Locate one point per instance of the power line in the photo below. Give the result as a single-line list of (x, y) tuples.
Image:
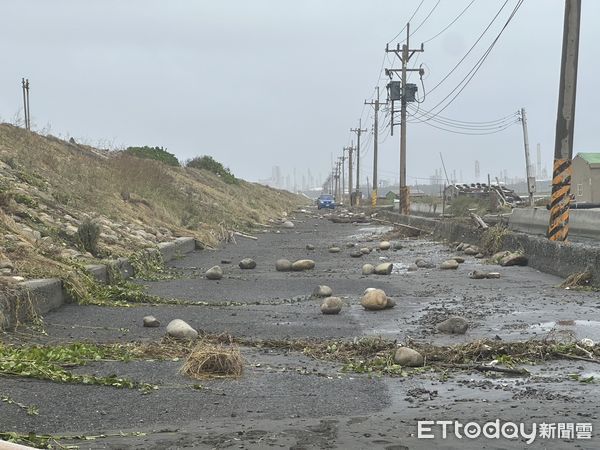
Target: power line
[(489, 125), (473, 133), (471, 49), (467, 79), (425, 19), (451, 23), (408, 21)]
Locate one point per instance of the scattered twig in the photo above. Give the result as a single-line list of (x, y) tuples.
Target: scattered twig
[(244, 235), (578, 358), (481, 368)]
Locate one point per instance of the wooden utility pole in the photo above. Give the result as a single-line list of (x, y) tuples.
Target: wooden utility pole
[(343, 174), (529, 167), (558, 229), (375, 146), (404, 55), (26, 116), (358, 132), (350, 150)]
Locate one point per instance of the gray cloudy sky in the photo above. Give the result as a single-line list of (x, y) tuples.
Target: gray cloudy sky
[(276, 82)]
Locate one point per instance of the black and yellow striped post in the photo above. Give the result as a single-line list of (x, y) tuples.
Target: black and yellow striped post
[(558, 229), (560, 201)]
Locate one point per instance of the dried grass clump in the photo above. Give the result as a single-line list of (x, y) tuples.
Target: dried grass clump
[(213, 360), (577, 280)]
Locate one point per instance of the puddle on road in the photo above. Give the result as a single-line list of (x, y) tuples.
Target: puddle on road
[(365, 232), (400, 268), (580, 328)]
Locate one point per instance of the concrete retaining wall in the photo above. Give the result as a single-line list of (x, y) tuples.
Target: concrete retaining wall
[(557, 258), (582, 222), (49, 294)]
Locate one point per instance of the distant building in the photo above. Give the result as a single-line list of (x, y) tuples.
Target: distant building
[(585, 185)]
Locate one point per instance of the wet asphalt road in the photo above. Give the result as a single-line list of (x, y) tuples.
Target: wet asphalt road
[(287, 400)]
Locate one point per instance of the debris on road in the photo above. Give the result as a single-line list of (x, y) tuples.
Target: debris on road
[(480, 275), (283, 265), (180, 329), (449, 264), (368, 269), (384, 268), (322, 291), (514, 259), (453, 325), (408, 357), (214, 273), (374, 299), (384, 245), (424, 263), (207, 359), (303, 264), (247, 263), (331, 305), (151, 322)]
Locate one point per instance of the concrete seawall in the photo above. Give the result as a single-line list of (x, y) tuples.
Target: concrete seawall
[(44, 295), (582, 222), (557, 258)]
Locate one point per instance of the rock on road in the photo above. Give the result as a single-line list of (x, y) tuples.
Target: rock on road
[(286, 399)]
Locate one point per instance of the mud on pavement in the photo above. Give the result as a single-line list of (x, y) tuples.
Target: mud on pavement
[(292, 397)]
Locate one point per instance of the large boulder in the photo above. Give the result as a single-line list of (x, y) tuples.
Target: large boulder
[(214, 273), (322, 291), (180, 329), (384, 268), (365, 250), (368, 269), (310, 247), (283, 265), (303, 264), (514, 259), (384, 245), (247, 263), (334, 249), (331, 305), (449, 265), (453, 325), (287, 224), (374, 299), (408, 357), (424, 264), (356, 254), (458, 259)]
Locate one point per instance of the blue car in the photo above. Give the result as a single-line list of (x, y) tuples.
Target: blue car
[(326, 201)]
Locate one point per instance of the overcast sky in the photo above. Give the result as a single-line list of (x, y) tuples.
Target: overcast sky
[(276, 82)]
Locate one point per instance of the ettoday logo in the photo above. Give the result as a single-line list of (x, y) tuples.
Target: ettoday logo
[(432, 429)]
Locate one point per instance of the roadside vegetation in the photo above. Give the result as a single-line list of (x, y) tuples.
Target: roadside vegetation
[(64, 205)]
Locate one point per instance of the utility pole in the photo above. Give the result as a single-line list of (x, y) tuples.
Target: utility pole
[(404, 55), (335, 182), (343, 174), (358, 132), (375, 147), (529, 167), (558, 229), (27, 117), (350, 150)]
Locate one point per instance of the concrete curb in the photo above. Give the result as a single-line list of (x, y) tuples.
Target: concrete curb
[(556, 258), (49, 294)]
